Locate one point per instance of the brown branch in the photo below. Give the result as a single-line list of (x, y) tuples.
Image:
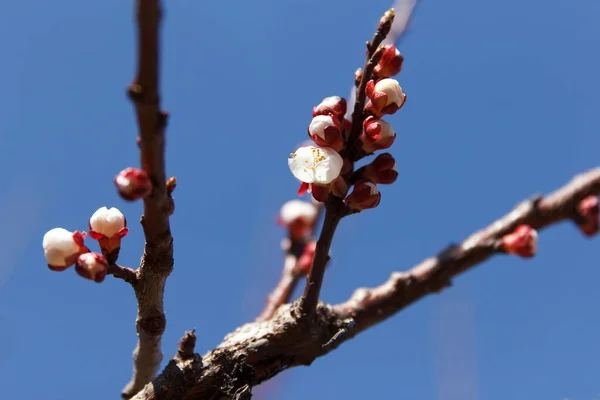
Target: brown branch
[(157, 261), (127, 274), (258, 351), (284, 289)]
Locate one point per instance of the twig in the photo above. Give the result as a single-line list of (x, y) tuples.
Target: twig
[(125, 273), (157, 261), (258, 351), (284, 289)]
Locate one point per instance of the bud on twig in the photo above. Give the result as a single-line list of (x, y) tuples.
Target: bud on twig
[(334, 106), (386, 96), (92, 266), (522, 241), (133, 184), (589, 215), (377, 134), (382, 169), (62, 247), (298, 217), (326, 131), (390, 63), (365, 195), (108, 227)]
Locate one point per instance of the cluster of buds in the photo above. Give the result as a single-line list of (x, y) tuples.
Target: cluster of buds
[(522, 241), (64, 249)]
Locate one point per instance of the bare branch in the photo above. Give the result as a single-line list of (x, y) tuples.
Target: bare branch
[(125, 273), (157, 261), (284, 289), (258, 351)]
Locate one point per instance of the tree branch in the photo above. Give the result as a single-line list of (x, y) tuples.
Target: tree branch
[(127, 274), (257, 351), (157, 261)]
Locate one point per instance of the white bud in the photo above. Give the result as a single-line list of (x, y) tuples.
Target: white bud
[(108, 222), (61, 248), (392, 89), (298, 209)]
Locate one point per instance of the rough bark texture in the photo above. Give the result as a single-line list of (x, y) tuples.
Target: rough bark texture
[(157, 261), (258, 351)]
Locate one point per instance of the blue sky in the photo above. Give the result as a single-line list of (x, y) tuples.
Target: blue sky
[(502, 104)]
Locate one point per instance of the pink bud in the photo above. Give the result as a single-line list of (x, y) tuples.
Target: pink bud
[(522, 241), (339, 187), (326, 131), (304, 263), (62, 247), (334, 106), (108, 227), (382, 169), (365, 195), (377, 134), (390, 63), (386, 96), (589, 212), (92, 266), (133, 184)]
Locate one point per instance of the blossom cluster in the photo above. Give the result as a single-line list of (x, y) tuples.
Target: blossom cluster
[(327, 167), (64, 248)]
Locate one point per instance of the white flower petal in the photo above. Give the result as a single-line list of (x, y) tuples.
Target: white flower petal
[(295, 209)]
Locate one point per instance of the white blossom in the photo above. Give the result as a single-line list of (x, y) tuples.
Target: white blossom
[(298, 209), (319, 165)]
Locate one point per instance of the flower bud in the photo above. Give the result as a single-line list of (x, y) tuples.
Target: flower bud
[(358, 75), (386, 96), (377, 134), (339, 187), (298, 217), (108, 227), (334, 106), (522, 241), (365, 195), (62, 247), (133, 184), (317, 166), (589, 214), (390, 63), (382, 170), (326, 131), (92, 266)]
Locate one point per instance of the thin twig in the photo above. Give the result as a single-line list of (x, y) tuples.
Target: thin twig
[(284, 289), (157, 261), (266, 348), (127, 274)]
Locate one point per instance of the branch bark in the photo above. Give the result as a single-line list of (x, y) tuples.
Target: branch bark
[(257, 351), (157, 260)]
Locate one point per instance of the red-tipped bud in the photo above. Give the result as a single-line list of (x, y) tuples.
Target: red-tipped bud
[(304, 263), (62, 247), (390, 63), (589, 212), (377, 134), (334, 106), (133, 184), (92, 266), (522, 241), (108, 227), (365, 195), (386, 96), (326, 131), (319, 192), (382, 169)]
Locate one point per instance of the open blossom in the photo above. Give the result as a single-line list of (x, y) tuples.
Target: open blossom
[(133, 184), (382, 169), (326, 130), (522, 241), (390, 62), (108, 227), (62, 247), (315, 166), (377, 134), (365, 195), (92, 266), (334, 105), (386, 96)]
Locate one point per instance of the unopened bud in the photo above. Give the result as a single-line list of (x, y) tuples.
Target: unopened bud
[(92, 266), (390, 63), (377, 134), (334, 106), (382, 169), (108, 227), (522, 241), (133, 184), (62, 247), (589, 215), (326, 131), (365, 195), (386, 96)]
